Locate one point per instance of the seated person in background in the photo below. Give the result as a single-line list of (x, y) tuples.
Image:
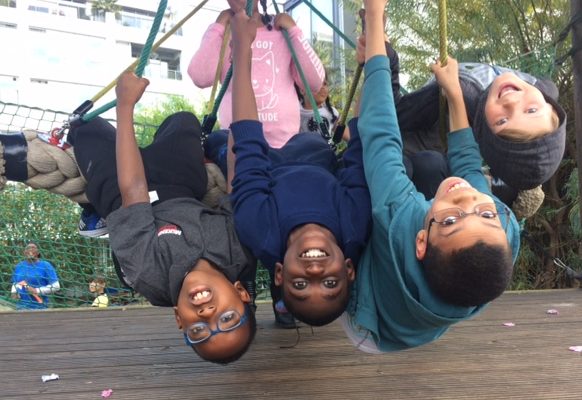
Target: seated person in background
[(33, 279), (428, 263), (97, 286), (307, 225), (172, 249)]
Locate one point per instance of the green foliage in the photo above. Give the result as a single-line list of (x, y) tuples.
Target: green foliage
[(105, 6), (573, 194), (51, 221), (147, 119), (517, 33)]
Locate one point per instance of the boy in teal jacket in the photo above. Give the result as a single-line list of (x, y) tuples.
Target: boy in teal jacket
[(428, 264)]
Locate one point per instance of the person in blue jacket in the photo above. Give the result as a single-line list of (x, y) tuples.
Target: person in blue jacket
[(305, 223), (33, 279), (429, 263)]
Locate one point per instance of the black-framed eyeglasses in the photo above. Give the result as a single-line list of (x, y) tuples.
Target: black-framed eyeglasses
[(450, 216), (228, 321)]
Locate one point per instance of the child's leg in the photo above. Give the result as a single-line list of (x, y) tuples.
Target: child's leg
[(429, 170), (94, 146), (174, 161)]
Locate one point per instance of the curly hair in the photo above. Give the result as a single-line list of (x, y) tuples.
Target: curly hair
[(471, 276)]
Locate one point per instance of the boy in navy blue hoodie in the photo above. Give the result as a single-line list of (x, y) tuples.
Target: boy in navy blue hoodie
[(307, 225)]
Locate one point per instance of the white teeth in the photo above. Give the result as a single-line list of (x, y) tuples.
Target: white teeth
[(459, 186), (313, 253)]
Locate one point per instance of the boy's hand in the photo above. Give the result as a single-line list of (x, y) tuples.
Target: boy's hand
[(284, 21), (224, 17), (375, 6), (448, 77), (130, 88), (244, 30)]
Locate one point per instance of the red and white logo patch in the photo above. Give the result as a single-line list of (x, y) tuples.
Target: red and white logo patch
[(169, 230)]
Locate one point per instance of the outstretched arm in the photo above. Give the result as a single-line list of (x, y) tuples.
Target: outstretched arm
[(464, 157), (448, 79), (202, 67), (130, 170), (244, 104)]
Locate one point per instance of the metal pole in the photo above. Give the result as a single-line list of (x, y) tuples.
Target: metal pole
[(576, 9)]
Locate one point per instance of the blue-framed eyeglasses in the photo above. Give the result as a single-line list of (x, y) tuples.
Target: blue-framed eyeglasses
[(451, 216), (228, 321)]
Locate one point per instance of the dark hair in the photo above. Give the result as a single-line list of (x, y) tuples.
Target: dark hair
[(471, 276), (252, 323), (317, 320), (266, 18), (35, 245), (334, 116)]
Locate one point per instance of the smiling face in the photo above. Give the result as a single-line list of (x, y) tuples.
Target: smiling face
[(206, 294), (315, 274), (517, 110), (455, 192)]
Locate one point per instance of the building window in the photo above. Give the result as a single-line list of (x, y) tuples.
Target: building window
[(164, 63)]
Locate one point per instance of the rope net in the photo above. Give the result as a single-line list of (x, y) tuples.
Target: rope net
[(52, 221)]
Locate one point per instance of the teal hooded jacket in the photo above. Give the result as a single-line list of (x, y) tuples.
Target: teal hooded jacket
[(392, 303)]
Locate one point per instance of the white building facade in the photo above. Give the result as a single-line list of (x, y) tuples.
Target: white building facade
[(58, 53)]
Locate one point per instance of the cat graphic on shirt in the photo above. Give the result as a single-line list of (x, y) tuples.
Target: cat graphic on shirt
[(264, 68)]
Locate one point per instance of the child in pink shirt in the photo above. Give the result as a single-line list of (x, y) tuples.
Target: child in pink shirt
[(274, 72)]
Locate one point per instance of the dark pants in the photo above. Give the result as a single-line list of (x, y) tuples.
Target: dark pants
[(304, 147), (173, 162), (426, 169)]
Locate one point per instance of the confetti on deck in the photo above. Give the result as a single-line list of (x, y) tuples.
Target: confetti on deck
[(51, 377), (106, 393), (509, 324), (552, 311), (577, 349)]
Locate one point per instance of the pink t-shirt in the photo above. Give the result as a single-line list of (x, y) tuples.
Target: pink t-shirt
[(273, 74)]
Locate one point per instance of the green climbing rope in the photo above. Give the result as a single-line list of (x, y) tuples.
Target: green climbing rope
[(443, 57), (210, 119), (328, 22), (324, 131), (143, 60)]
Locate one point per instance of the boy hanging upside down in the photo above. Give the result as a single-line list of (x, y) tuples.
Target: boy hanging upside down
[(428, 264), (302, 221), (174, 250)]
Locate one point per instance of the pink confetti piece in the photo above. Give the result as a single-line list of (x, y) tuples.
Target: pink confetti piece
[(552, 311), (577, 349), (106, 393), (509, 324)]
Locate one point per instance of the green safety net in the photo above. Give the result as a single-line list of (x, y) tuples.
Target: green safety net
[(51, 221)]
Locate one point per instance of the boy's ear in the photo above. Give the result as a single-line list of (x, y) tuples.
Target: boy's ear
[(178, 319), (242, 292), (278, 274), (421, 243), (350, 269)]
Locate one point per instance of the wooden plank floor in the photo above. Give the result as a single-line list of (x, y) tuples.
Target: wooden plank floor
[(140, 354)]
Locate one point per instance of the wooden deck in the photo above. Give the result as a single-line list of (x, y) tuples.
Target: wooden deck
[(140, 354)]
